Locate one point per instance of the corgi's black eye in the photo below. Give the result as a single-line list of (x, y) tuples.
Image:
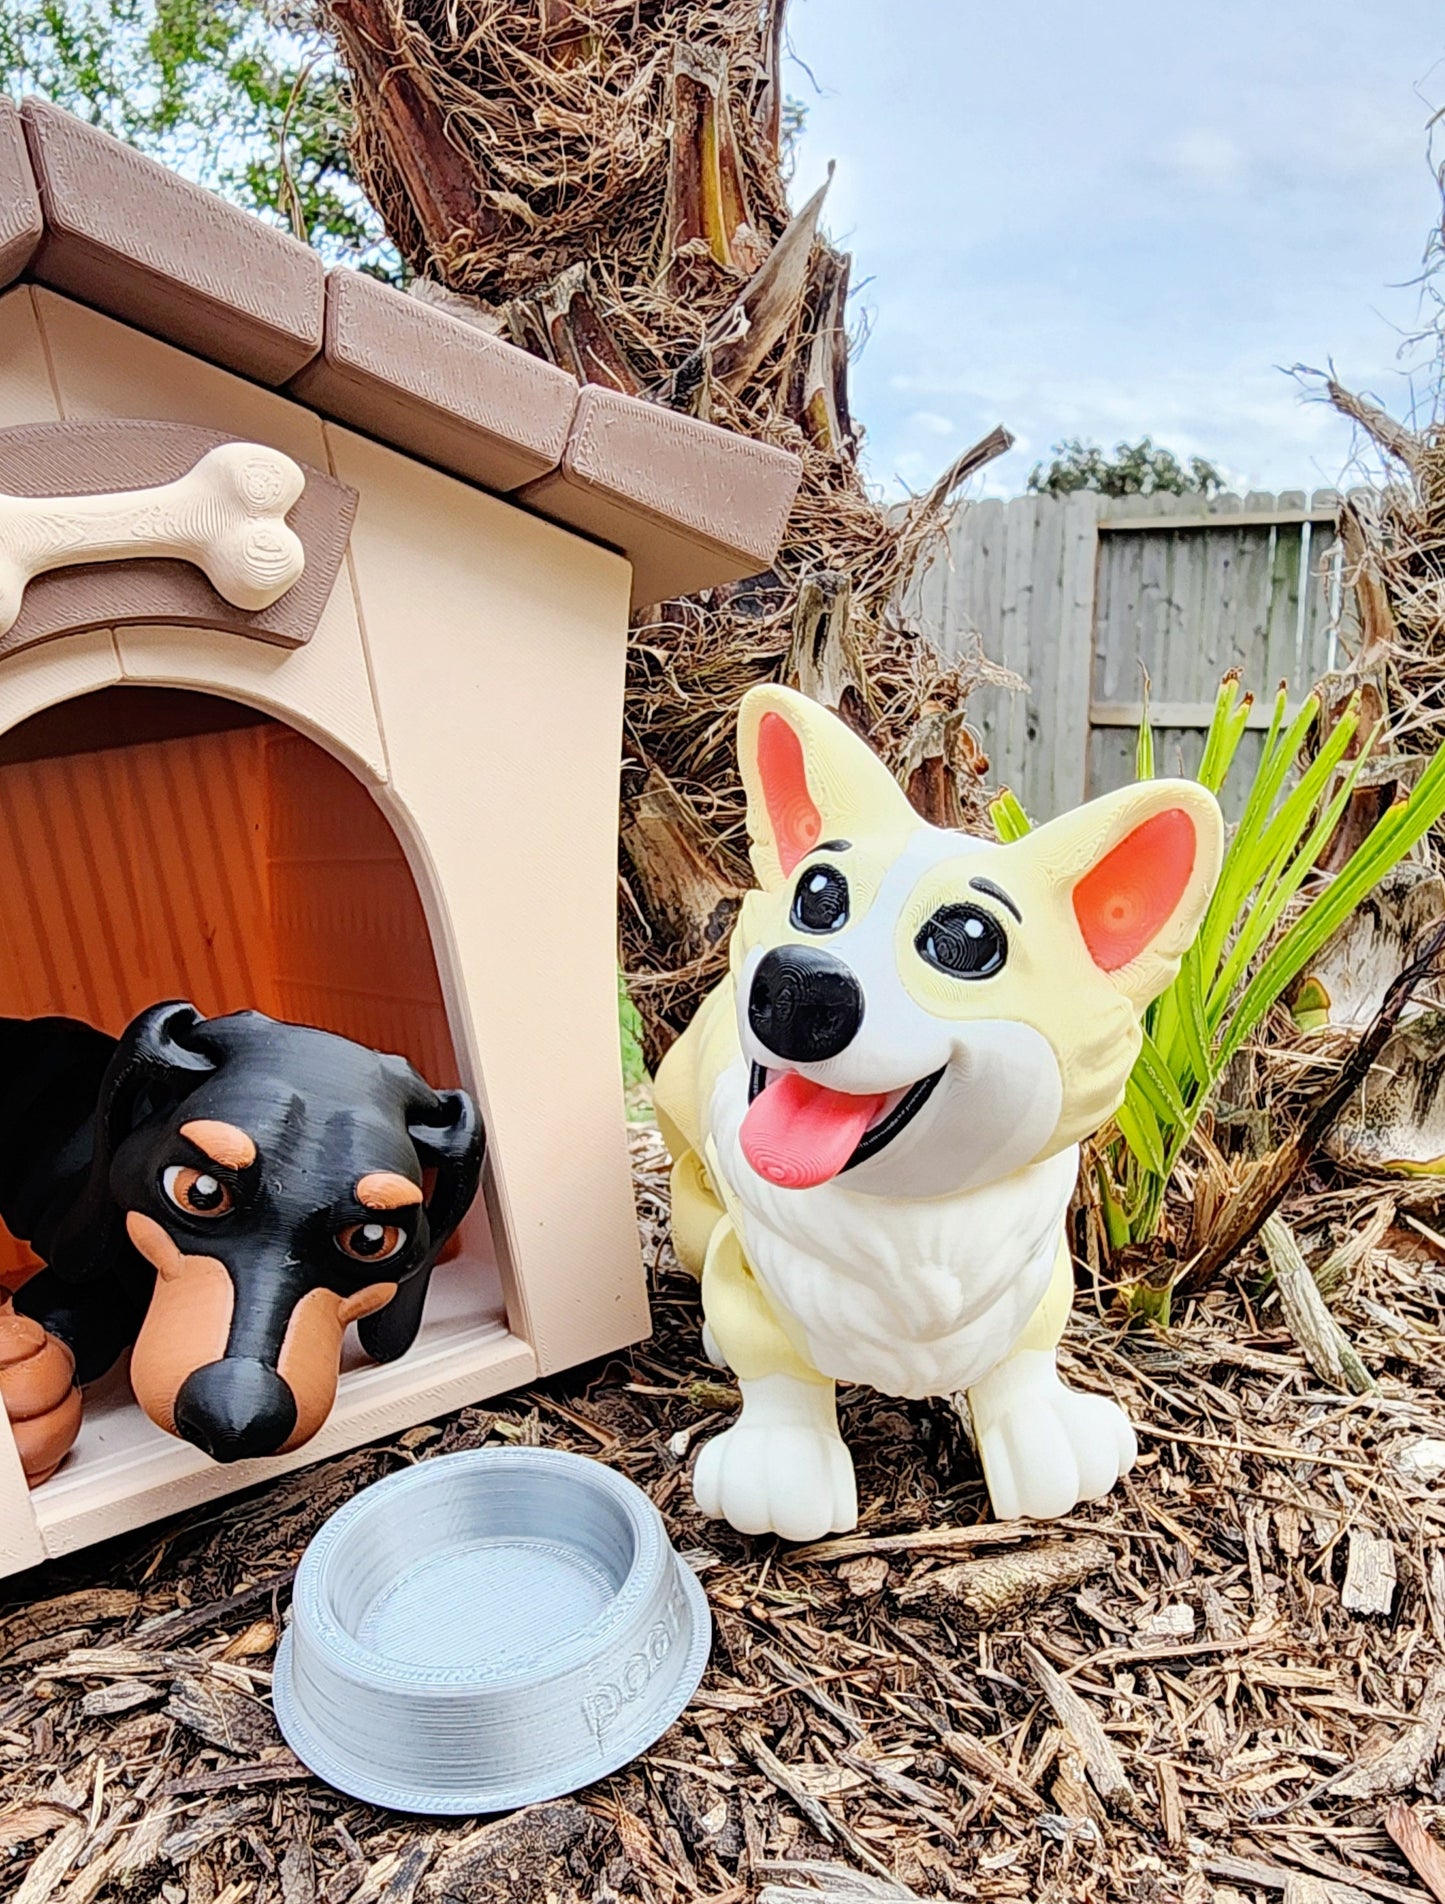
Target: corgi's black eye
[(820, 903), (964, 941)]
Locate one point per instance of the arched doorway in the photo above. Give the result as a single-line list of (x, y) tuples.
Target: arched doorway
[(165, 843)]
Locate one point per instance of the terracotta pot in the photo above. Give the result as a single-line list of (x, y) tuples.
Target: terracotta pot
[(38, 1392)]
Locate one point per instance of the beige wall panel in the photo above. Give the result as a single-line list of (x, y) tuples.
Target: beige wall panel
[(20, 1542), (103, 368), (56, 671), (497, 646), (321, 689), (26, 392)]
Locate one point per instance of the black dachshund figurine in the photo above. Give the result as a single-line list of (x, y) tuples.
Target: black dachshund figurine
[(223, 1196)]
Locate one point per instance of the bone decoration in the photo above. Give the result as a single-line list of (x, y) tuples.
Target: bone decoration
[(227, 516)]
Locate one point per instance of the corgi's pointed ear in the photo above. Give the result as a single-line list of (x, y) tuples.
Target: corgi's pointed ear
[(1138, 868), (809, 779)]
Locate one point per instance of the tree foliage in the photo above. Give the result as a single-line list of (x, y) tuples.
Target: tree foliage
[(249, 102), (1131, 469)]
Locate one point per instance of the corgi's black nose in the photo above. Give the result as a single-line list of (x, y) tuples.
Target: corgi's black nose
[(804, 1005)]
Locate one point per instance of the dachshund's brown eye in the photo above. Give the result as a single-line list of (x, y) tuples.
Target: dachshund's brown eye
[(197, 1192), (370, 1242)]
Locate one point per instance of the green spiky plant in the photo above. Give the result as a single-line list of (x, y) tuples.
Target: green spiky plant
[(1258, 935), (635, 1081)]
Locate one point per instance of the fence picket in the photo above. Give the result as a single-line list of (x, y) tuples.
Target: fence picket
[(1075, 593)]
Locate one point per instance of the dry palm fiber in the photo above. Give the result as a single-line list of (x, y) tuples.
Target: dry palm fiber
[(602, 181), (1394, 544)]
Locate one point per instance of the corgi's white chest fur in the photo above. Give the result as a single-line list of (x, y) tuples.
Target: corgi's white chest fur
[(913, 1300)]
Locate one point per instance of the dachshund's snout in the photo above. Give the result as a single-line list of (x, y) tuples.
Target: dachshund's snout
[(235, 1409)]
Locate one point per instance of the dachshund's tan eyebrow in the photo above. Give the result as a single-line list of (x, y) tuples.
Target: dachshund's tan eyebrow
[(387, 1190), (224, 1144), (998, 893)]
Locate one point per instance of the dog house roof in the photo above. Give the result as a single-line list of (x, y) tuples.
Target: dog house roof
[(688, 504)]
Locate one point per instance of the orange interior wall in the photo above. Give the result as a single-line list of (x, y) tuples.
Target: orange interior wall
[(349, 945), (141, 875), (239, 867)]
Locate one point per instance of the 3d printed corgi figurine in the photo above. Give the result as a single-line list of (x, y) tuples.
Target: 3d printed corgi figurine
[(225, 1195), (875, 1118)]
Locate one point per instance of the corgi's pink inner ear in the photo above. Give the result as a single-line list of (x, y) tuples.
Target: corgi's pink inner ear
[(797, 823), (1125, 901)]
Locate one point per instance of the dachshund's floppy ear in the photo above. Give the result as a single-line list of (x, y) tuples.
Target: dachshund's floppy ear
[(159, 1058), (447, 1132)]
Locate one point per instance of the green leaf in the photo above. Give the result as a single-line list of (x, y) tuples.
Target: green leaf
[(1386, 845), (1144, 742), (1256, 838), (1146, 1304), (1010, 822), (1151, 1076), (1192, 1023), (1311, 1008), (629, 1025), (1116, 1224), (1299, 846), (1140, 1132), (1226, 729)]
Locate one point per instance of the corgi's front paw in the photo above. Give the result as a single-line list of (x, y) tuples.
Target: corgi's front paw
[(783, 1468), (1045, 1448)]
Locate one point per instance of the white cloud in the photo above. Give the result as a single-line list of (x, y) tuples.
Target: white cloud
[(1206, 157), (1112, 223)]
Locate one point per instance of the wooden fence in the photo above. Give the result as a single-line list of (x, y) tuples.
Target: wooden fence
[(1084, 595)]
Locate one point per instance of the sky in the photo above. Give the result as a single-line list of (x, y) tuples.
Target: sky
[(1116, 219)]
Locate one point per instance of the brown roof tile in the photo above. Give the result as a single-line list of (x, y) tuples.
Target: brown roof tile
[(126, 235), (689, 505), (20, 221), (417, 377), (681, 498)]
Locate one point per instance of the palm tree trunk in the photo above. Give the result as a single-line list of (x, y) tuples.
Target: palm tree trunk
[(603, 182)]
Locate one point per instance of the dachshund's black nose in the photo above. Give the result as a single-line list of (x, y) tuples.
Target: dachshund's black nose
[(234, 1409), (804, 1005)]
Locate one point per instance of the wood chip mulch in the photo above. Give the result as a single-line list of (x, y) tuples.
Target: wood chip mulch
[(1225, 1682)]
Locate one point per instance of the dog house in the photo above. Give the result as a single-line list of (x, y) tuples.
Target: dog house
[(314, 603)]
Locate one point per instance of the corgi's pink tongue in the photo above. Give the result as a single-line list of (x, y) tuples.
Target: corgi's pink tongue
[(797, 1133)]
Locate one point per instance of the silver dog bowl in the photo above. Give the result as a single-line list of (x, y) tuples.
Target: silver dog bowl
[(488, 1630)]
